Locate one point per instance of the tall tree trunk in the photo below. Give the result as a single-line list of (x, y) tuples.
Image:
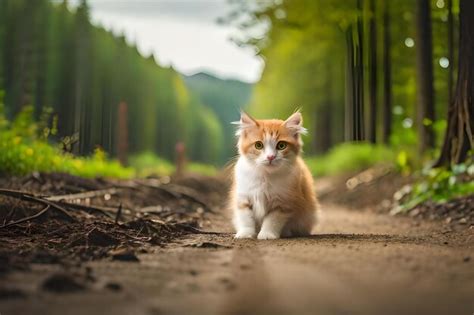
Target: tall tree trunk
[(387, 76), (359, 76), (81, 101), (372, 123), (459, 138), (449, 4), (3, 9), (354, 111), (326, 112), (122, 133), (424, 54), (350, 88)]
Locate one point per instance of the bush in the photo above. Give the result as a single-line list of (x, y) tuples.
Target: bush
[(350, 157), (438, 185), (148, 163), (24, 148), (200, 168)]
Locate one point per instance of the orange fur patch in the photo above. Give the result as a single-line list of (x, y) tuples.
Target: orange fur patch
[(275, 128)]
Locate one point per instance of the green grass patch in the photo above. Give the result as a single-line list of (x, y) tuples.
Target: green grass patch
[(24, 149), (201, 168), (148, 163), (350, 157)]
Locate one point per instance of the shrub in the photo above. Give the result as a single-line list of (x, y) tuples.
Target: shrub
[(147, 163), (438, 185), (24, 148), (350, 157)]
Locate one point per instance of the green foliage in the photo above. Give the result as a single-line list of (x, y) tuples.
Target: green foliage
[(24, 149), (147, 163), (350, 157), (438, 185), (60, 59), (201, 168), (226, 98)]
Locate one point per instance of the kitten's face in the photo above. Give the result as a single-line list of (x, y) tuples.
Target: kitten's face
[(270, 144)]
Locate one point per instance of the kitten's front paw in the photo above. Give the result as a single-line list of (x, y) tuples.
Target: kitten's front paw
[(245, 234), (267, 235)]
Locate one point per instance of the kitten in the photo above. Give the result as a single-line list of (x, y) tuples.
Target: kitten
[(272, 193)]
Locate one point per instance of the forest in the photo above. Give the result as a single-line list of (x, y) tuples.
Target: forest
[(376, 83), (79, 73), (371, 71), (118, 191)]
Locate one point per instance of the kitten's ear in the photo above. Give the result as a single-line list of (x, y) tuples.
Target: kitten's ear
[(295, 123), (245, 122)]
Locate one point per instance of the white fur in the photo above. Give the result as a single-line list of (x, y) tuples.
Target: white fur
[(260, 179), (256, 184)]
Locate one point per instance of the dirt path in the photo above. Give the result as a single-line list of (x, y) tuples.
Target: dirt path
[(357, 263)]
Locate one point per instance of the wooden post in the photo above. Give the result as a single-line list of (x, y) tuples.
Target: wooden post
[(180, 158), (122, 134)]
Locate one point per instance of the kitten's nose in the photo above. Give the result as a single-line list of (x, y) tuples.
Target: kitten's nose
[(270, 157)]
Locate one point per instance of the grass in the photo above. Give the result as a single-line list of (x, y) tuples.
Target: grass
[(438, 185), (25, 148), (148, 163), (350, 157)]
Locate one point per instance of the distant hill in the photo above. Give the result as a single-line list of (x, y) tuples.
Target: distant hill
[(225, 97)]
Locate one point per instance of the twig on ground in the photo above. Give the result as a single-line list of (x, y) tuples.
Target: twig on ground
[(29, 197), (108, 212), (192, 229), (83, 195), (119, 212), (178, 192), (37, 215)]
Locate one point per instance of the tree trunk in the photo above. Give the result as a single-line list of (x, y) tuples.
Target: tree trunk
[(424, 54), (359, 77), (354, 111), (326, 113), (459, 140), (387, 76), (449, 4), (372, 123), (122, 134), (350, 91)]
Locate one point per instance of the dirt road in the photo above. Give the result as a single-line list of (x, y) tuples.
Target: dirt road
[(356, 263)]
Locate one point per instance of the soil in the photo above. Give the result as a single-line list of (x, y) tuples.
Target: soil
[(359, 261)]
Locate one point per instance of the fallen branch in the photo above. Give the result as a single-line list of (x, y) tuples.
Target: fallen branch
[(37, 215), (29, 197), (108, 212), (83, 195), (192, 229), (179, 192)]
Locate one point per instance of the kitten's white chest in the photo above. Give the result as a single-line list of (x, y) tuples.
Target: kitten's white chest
[(257, 188)]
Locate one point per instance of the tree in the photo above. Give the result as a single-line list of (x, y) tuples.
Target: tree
[(354, 118), (372, 123), (425, 91), (459, 138), (387, 76), (449, 4)]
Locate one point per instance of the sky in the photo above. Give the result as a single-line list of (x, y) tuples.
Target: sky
[(181, 33)]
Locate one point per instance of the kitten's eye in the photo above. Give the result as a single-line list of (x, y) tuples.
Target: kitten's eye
[(281, 145), (258, 145)]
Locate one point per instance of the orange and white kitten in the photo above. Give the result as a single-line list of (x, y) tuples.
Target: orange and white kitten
[(273, 194)]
